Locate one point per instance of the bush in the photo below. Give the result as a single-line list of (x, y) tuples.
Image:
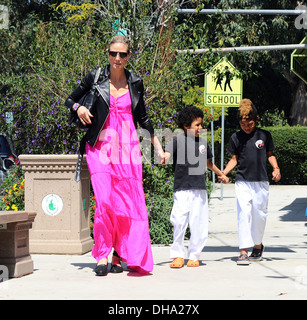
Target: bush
[(158, 185), (291, 153)]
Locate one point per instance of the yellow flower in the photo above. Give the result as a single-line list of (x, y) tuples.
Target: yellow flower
[(8, 208), (14, 207)]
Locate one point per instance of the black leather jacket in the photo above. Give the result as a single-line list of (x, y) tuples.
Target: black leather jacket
[(102, 105)]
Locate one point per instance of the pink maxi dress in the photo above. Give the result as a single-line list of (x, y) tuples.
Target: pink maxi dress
[(115, 165)]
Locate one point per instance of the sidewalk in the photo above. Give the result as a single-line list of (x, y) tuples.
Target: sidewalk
[(282, 275)]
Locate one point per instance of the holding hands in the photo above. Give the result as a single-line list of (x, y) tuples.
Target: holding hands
[(223, 178)]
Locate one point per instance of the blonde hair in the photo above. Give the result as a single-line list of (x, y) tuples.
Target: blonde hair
[(120, 39), (247, 110)]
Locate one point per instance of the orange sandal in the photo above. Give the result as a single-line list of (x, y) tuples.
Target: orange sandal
[(192, 263), (177, 263)]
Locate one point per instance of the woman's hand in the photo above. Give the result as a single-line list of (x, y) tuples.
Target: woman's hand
[(161, 156), (158, 148), (84, 115)]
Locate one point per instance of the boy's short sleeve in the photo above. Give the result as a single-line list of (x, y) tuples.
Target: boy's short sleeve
[(209, 152), (232, 148), (270, 143)]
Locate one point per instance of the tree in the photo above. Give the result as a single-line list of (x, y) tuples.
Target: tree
[(261, 70)]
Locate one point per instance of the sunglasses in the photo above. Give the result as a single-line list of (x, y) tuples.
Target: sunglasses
[(121, 54)]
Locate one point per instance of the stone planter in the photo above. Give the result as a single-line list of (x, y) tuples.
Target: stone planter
[(62, 205)]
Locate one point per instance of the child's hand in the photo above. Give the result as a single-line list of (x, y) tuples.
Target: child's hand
[(223, 178), (276, 175)]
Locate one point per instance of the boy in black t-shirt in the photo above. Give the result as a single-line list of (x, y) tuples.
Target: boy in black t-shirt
[(250, 148), (191, 156)]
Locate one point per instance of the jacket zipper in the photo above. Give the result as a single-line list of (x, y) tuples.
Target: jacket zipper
[(102, 127), (106, 116)]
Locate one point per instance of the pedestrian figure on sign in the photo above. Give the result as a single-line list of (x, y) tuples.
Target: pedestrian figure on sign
[(228, 79), (219, 81)]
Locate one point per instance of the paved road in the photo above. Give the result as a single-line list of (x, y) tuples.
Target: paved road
[(282, 275)]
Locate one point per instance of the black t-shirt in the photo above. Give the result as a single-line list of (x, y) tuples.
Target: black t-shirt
[(251, 150), (190, 156)]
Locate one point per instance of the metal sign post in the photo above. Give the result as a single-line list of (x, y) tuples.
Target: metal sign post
[(222, 147), (223, 88), (212, 149)]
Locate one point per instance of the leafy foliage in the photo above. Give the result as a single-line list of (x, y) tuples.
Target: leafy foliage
[(12, 191), (291, 153)]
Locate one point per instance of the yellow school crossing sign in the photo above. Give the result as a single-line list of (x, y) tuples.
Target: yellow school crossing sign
[(223, 86)]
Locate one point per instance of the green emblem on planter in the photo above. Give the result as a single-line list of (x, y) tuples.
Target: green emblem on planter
[(52, 204)]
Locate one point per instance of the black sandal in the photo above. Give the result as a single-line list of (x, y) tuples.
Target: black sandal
[(256, 254), (101, 269), (114, 267)]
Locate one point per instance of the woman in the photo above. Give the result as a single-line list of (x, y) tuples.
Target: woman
[(114, 161)]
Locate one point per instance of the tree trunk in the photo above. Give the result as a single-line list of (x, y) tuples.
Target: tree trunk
[(298, 112)]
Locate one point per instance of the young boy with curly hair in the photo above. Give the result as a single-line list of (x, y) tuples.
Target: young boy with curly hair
[(191, 156), (250, 148)]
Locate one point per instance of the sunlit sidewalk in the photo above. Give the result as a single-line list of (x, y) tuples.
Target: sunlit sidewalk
[(281, 275)]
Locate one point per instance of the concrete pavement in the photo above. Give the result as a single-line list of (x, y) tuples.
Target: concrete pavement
[(282, 275)]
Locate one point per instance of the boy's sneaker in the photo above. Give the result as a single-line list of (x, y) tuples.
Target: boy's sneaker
[(256, 254), (243, 260)]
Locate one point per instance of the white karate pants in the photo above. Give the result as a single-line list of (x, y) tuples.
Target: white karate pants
[(252, 206), (190, 206)]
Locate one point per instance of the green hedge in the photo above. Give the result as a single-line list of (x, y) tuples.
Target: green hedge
[(290, 151)]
